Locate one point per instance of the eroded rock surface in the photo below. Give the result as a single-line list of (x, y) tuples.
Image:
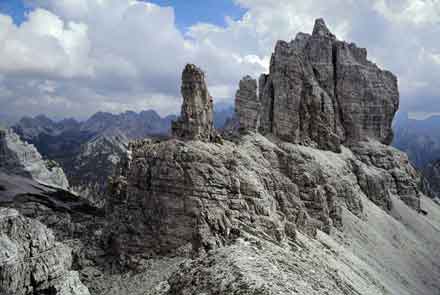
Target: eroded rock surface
[(31, 261)]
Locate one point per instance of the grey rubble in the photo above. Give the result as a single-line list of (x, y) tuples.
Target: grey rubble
[(322, 92)]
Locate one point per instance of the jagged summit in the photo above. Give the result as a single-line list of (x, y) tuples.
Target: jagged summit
[(196, 119), (323, 92), (321, 29)]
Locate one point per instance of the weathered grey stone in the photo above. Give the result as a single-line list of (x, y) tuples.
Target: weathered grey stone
[(323, 92), (196, 118), (31, 261), (247, 105)]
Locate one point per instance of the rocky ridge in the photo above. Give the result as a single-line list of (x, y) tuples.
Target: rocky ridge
[(321, 167), (280, 211), (18, 157)]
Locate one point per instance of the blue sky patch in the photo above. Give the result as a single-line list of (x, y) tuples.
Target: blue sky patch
[(188, 12)]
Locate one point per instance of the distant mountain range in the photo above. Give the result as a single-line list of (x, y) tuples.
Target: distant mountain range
[(88, 151), (420, 139)]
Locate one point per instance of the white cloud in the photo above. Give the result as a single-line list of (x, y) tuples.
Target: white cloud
[(75, 57)]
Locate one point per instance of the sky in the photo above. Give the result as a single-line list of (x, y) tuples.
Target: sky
[(71, 58)]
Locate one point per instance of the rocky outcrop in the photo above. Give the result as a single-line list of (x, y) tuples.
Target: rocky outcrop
[(196, 118), (18, 157), (247, 105), (31, 261), (176, 194), (324, 92)]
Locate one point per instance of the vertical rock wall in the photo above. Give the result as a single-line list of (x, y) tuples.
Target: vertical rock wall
[(323, 92)]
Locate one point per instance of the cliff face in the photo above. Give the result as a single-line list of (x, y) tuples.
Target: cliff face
[(324, 92)]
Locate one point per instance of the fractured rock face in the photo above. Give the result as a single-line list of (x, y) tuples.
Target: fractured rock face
[(31, 261), (247, 105), (196, 119), (324, 92)]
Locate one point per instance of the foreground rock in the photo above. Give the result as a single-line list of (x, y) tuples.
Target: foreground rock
[(18, 157), (73, 220), (31, 261)]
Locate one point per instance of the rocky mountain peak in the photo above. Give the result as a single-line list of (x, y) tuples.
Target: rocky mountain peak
[(322, 92), (196, 120)]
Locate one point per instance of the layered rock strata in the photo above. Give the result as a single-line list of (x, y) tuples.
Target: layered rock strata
[(177, 194), (196, 119), (324, 92)]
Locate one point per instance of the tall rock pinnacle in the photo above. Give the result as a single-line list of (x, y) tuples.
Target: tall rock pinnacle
[(196, 119)]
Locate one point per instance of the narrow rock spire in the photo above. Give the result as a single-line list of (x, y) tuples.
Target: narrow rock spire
[(196, 119)]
